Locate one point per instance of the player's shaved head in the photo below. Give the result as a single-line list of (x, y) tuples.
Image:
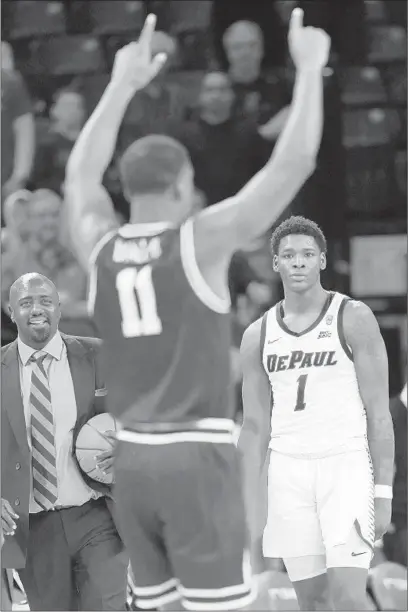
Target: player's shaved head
[(33, 279), (152, 164)]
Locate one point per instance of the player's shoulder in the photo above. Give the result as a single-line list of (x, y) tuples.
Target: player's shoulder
[(251, 338), (358, 320)]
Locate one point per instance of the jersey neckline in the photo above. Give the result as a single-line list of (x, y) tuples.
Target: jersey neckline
[(282, 324)]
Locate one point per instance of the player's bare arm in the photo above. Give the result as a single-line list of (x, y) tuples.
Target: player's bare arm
[(255, 433), (90, 210), (222, 229), (363, 335)]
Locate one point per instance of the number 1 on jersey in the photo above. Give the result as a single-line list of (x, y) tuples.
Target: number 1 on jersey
[(137, 299), (300, 398)]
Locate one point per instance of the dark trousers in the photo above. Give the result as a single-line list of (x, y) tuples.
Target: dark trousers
[(75, 560)]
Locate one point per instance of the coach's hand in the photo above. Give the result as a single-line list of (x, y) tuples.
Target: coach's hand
[(104, 461), (134, 66), (382, 510), (8, 525), (309, 47)]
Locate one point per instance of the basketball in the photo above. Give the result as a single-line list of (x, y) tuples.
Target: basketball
[(91, 441)]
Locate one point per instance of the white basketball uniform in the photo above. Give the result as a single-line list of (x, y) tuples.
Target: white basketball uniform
[(320, 478)]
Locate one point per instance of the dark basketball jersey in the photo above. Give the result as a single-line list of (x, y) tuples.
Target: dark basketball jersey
[(166, 335)]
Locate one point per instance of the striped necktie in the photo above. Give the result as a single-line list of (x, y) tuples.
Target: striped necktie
[(45, 485)]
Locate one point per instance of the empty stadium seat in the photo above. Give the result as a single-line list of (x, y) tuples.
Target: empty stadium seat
[(36, 18), (401, 172), (367, 128), (189, 15), (388, 583), (387, 43), (370, 179), (363, 86), (109, 17), (375, 11), (395, 79), (71, 55)]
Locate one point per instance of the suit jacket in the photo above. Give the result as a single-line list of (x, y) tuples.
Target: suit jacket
[(85, 366)]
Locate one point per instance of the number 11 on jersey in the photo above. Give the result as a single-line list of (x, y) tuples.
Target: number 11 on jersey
[(137, 299)]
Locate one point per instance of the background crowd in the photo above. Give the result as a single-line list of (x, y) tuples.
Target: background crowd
[(224, 93)]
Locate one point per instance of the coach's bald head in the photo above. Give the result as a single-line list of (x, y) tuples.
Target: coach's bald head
[(35, 309)]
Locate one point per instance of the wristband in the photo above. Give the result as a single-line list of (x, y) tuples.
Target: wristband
[(383, 491)]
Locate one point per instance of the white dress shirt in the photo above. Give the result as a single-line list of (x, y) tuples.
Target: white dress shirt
[(72, 489)]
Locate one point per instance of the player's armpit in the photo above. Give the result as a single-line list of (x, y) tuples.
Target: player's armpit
[(255, 433), (362, 334), (90, 217)]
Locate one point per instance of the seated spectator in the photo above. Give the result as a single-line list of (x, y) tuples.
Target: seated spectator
[(18, 130), (16, 231), (68, 114), (43, 252), (226, 150), (159, 107), (13, 236), (263, 98)]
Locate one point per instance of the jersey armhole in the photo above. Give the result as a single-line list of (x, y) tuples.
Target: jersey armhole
[(193, 274), (263, 335), (340, 329), (93, 270)]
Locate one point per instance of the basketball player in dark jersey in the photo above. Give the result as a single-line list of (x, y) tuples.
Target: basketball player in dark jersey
[(158, 292)]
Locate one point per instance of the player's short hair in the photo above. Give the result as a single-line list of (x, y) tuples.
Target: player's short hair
[(152, 164), (300, 226)]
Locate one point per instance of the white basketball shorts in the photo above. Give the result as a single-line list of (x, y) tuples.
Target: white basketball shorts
[(313, 504)]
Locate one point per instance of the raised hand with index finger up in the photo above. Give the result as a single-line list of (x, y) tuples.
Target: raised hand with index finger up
[(134, 67), (309, 46)]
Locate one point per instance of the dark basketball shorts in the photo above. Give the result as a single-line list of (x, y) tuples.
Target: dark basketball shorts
[(180, 512)]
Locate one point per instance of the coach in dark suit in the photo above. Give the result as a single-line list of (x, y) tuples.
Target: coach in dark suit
[(58, 529)]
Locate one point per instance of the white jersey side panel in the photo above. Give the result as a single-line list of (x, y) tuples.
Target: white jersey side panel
[(317, 409)]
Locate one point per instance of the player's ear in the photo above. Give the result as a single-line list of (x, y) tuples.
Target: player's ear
[(11, 313), (323, 261), (275, 263)]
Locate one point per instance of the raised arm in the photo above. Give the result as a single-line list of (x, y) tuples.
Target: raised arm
[(363, 335), (255, 433), (90, 210), (231, 224)]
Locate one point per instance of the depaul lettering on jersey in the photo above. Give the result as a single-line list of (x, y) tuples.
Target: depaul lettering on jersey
[(299, 360)]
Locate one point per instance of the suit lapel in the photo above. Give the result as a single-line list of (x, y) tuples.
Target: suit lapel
[(11, 397), (82, 373)]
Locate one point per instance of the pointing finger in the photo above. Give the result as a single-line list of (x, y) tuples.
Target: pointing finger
[(296, 19), (145, 38)]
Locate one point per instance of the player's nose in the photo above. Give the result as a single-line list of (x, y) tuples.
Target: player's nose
[(298, 261)]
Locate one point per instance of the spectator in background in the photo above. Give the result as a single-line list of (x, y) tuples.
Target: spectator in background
[(226, 150), (43, 252), (158, 108), (17, 127), (68, 114), (16, 230), (263, 98), (395, 541), (13, 237)]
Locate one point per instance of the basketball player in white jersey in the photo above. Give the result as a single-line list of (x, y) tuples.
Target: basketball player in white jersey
[(315, 391)]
